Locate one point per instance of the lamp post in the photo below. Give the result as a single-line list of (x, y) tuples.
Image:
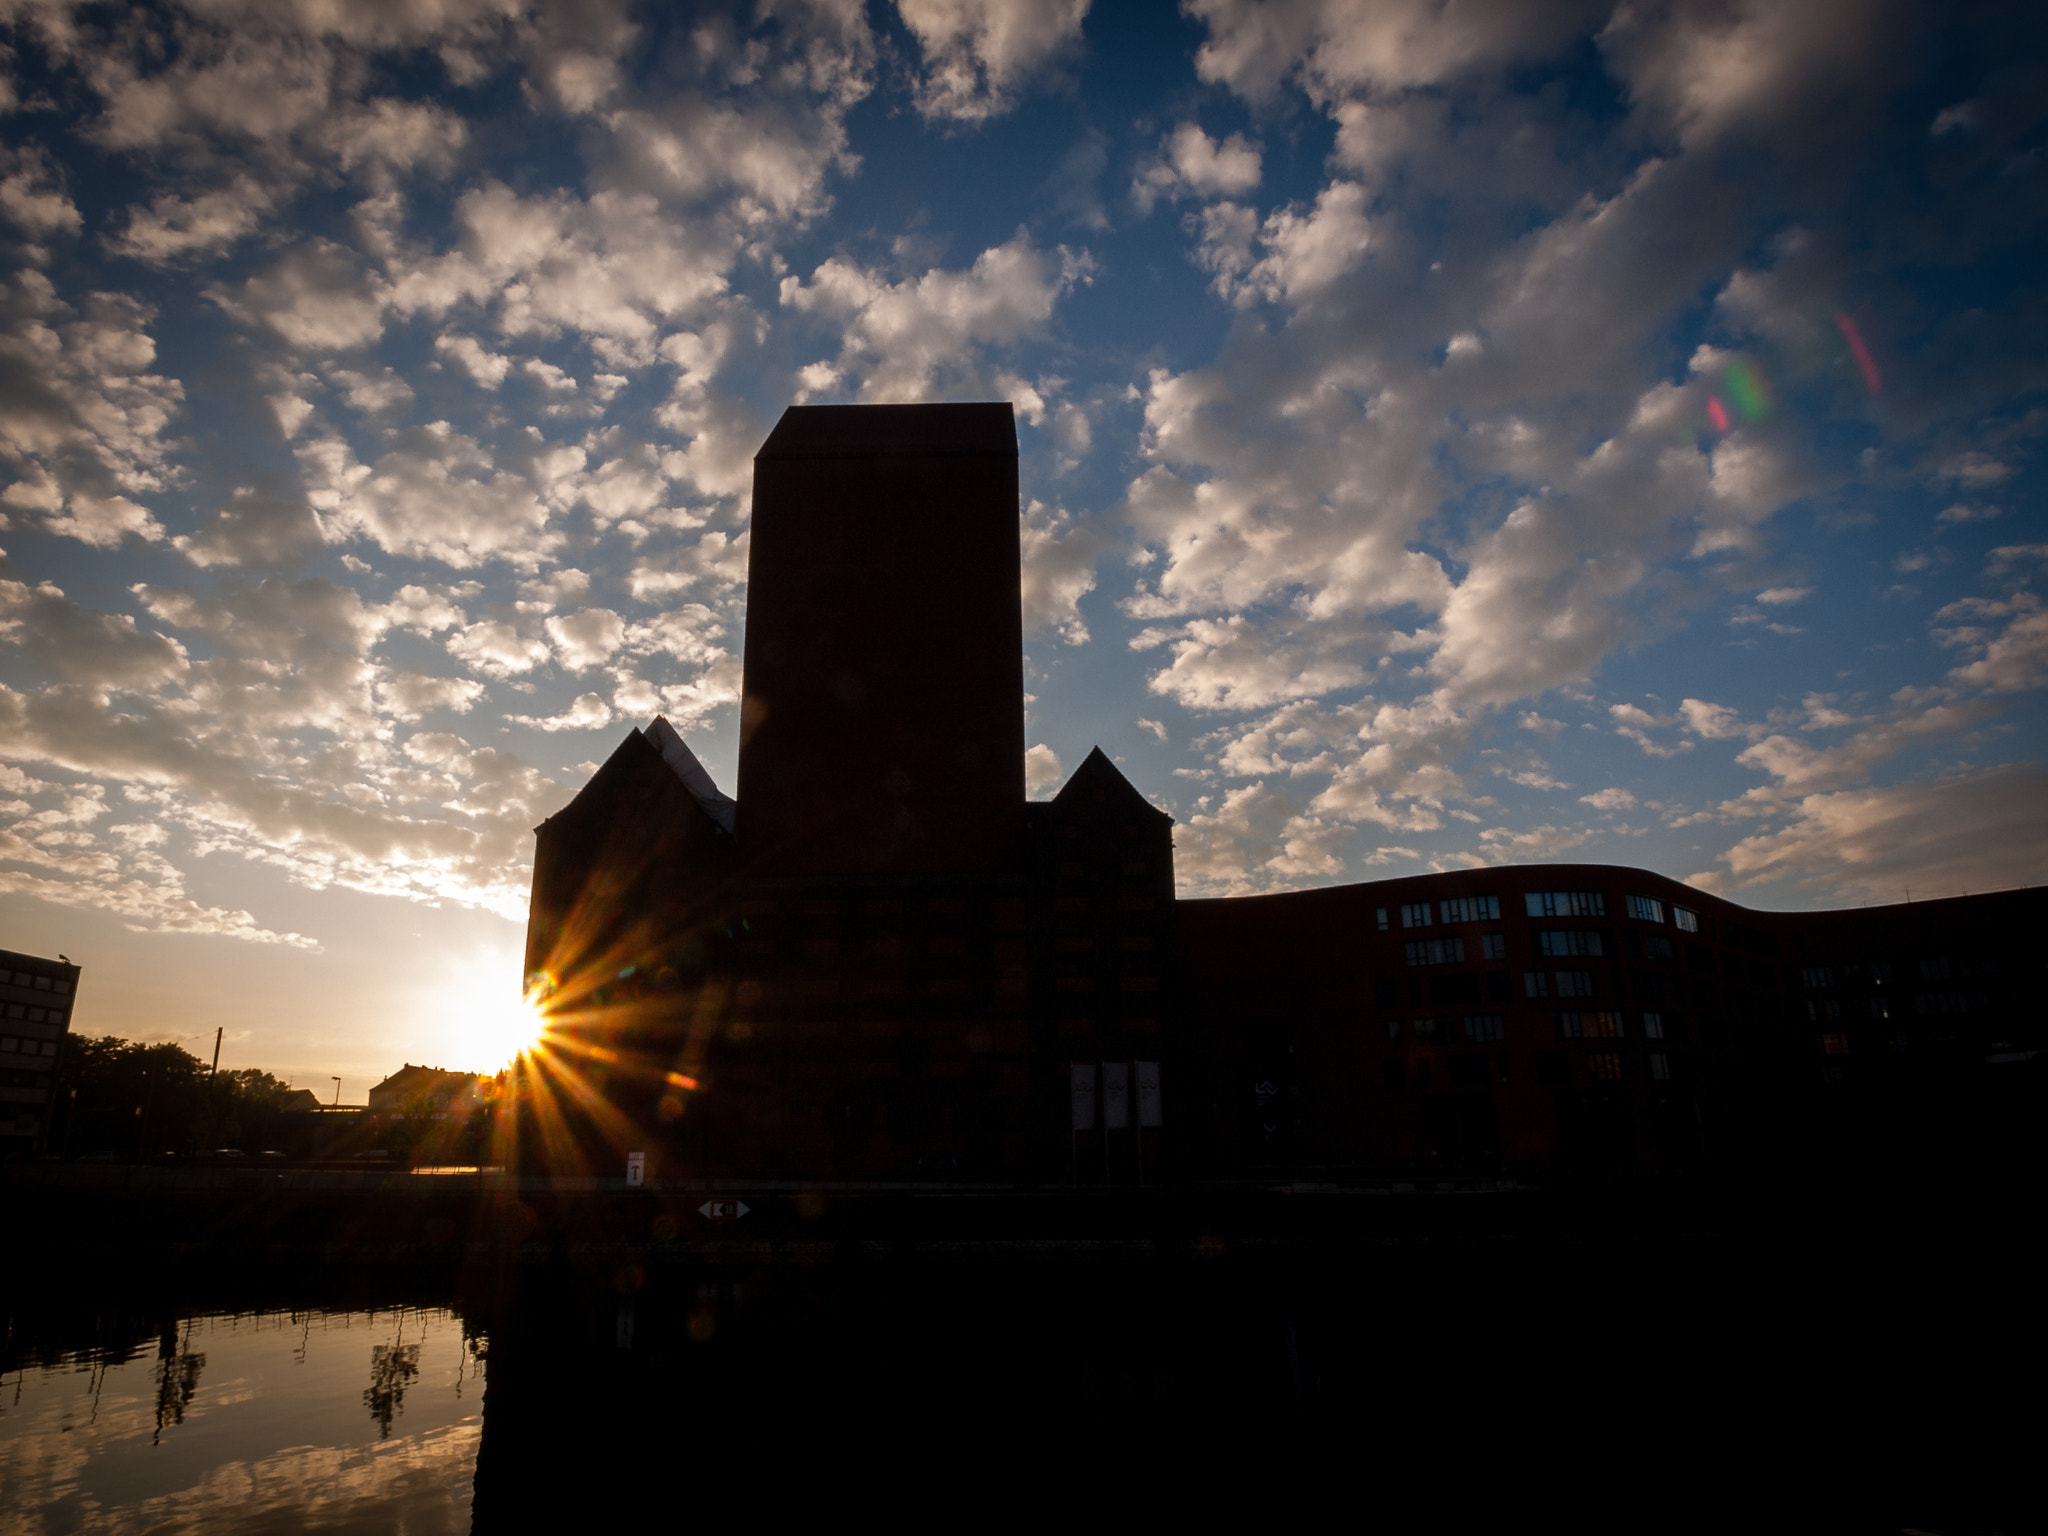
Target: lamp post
[(337, 1093)]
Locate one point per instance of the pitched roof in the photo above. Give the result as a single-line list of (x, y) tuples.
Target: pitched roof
[(1098, 776), (718, 805)]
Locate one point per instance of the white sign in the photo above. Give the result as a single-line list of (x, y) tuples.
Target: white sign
[(1148, 1094), (1084, 1095), (723, 1210), (636, 1169), (1116, 1095)]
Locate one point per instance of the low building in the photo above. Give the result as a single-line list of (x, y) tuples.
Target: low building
[(36, 998), (432, 1091)]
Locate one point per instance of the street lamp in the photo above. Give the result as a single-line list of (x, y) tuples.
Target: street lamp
[(337, 1093)]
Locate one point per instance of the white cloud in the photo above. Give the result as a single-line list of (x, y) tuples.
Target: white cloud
[(1058, 564), (1190, 163), (1613, 799), (487, 368), (589, 712), (436, 496), (903, 337), (1042, 771), (1781, 596), (979, 53), (586, 639), (175, 227)]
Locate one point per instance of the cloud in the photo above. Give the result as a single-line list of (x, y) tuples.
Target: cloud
[(84, 426), (1155, 728), (1613, 799), (32, 195), (177, 228), (904, 336), (1191, 164), (586, 639), (1975, 831), (438, 495), (1042, 771), (589, 712), (1058, 564), (1781, 596), (978, 54), (1963, 512)]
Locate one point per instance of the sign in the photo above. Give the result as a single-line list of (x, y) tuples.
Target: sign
[(636, 1169), (1148, 1094), (1116, 1095), (1084, 1095), (723, 1210)]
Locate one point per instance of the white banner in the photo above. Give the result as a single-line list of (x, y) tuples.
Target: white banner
[(1116, 1095), (1148, 1094), (1084, 1095)]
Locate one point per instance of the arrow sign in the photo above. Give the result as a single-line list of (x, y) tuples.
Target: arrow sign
[(723, 1210)]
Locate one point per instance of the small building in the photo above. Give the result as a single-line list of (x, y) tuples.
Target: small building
[(411, 1088), (36, 997)]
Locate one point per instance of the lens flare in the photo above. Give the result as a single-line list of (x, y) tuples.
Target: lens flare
[(1717, 413), (1749, 390), (1872, 379)]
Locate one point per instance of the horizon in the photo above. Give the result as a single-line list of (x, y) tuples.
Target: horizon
[(1580, 435)]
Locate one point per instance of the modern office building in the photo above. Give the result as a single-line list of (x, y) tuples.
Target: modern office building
[(881, 962), (36, 996)]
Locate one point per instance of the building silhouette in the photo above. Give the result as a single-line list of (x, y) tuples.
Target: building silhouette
[(36, 996), (882, 963)]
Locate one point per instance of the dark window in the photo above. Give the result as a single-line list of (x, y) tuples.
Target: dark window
[(1494, 946), (1455, 990), (1646, 909), (1569, 942), (1414, 914), (1435, 951), (1535, 984), (1649, 988), (1574, 983), (1552, 1067), (1471, 909), (1386, 993), (1482, 1028), (1567, 904), (1469, 1071), (1500, 986)]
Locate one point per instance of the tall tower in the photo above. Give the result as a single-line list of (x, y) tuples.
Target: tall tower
[(882, 713)]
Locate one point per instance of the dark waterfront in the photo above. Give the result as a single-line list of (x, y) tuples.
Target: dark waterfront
[(1822, 1363)]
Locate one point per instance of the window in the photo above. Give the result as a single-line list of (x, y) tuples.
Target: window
[(1471, 909), (1482, 1028), (1469, 1071), (1879, 1008), (1816, 976), (1431, 1031), (1656, 946), (1393, 1029), (1823, 1008), (1456, 989), (1500, 986), (1934, 970), (1688, 921), (1567, 904), (1574, 983), (1568, 941), (1381, 914), (1435, 951), (1589, 1026), (1880, 975), (1494, 946), (1604, 1066), (1414, 914), (1552, 1067), (1653, 1026), (1834, 1045), (1646, 909), (1660, 1067), (1535, 984)]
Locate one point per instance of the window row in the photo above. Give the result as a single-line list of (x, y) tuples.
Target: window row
[(35, 1015), (15, 1045), (40, 983), (1454, 909), (1480, 1029)]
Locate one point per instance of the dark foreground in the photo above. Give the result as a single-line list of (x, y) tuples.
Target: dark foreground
[(1825, 1358)]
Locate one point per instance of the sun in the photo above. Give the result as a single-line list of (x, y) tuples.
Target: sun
[(488, 1017)]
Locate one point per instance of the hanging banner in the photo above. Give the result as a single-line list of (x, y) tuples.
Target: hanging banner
[(1116, 1095), (1084, 1095), (1148, 1094)]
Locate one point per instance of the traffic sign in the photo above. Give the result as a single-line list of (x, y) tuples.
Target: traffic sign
[(723, 1210)]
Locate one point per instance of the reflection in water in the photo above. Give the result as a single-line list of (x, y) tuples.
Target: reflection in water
[(242, 1423)]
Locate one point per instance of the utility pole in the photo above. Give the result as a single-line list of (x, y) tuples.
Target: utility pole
[(218, 1032), (337, 1093)]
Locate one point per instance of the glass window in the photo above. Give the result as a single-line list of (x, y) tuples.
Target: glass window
[(1494, 946), (1688, 921), (1567, 904), (1646, 909), (1435, 951), (1656, 946), (1880, 1008), (1535, 984), (1574, 983), (1381, 912), (1414, 914), (1834, 1045), (1604, 1066), (1653, 1026), (1660, 1067), (1471, 909), (1483, 1027), (1393, 1029), (1589, 1026), (1816, 976), (1569, 941)]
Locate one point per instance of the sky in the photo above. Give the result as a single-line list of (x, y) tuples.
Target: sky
[(1451, 434)]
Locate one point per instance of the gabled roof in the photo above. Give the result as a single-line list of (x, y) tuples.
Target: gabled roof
[(893, 431), (1097, 775), (719, 806)]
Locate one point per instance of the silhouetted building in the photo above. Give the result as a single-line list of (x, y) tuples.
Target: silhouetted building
[(882, 962), (36, 996), (425, 1090)]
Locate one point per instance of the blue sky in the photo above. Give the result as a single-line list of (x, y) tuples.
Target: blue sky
[(1451, 435)]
